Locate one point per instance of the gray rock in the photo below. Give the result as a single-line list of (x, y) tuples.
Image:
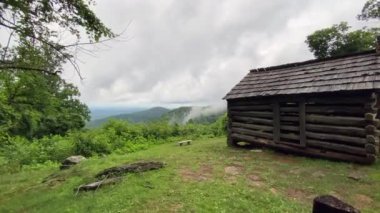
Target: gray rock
[(71, 161), (355, 176)]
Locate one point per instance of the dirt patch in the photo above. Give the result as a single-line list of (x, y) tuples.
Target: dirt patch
[(355, 175), (283, 158), (299, 195), (234, 169), (336, 194), (232, 172), (255, 180), (295, 171), (203, 173), (176, 207), (318, 174), (362, 201), (273, 190)]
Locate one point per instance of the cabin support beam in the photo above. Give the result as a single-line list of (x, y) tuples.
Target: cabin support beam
[(302, 119), (276, 122)]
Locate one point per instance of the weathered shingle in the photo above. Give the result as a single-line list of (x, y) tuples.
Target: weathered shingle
[(352, 72)]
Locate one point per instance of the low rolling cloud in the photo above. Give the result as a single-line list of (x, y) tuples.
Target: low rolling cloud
[(194, 52)]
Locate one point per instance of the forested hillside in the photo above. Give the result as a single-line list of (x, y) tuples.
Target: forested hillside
[(181, 115), (151, 114)]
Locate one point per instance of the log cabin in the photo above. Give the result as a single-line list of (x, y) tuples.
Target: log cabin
[(322, 108)]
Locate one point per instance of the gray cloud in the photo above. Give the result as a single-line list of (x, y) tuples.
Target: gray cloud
[(195, 51)]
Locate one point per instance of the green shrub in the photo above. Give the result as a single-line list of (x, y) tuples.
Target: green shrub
[(114, 136)]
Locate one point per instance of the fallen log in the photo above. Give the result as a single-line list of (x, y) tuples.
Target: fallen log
[(130, 168), (96, 185)]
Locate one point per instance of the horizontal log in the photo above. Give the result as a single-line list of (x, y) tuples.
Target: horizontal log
[(289, 118), (329, 137), (251, 132), (290, 136), (347, 110), (372, 149), (333, 109), (252, 120), (368, 159), (336, 147), (250, 139), (289, 109), (371, 139), (252, 126), (360, 100), (350, 131), (290, 128), (253, 114), (249, 102), (337, 120), (251, 108)]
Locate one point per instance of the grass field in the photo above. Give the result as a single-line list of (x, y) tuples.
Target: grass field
[(206, 176)]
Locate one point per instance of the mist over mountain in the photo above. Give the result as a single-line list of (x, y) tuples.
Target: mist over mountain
[(181, 115)]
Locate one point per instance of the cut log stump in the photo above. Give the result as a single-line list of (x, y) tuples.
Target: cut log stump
[(331, 204)]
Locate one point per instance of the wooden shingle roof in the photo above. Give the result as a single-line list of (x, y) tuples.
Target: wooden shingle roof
[(359, 71)]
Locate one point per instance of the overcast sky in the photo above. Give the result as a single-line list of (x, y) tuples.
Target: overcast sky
[(194, 51)]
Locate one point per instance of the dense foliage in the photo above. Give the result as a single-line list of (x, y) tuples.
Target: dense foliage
[(44, 23), (371, 10), (34, 104), (116, 136), (338, 40)]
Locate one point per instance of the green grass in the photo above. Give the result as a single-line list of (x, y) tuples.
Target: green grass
[(204, 177)]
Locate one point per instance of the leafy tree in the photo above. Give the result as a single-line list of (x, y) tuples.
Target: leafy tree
[(34, 104), (45, 22), (338, 40), (371, 10)]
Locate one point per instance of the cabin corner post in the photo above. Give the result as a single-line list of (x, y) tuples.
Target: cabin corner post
[(371, 128), (302, 124), (230, 140)]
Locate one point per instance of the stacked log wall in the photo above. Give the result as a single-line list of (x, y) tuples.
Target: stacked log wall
[(343, 127)]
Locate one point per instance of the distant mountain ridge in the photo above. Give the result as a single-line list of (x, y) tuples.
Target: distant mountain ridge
[(181, 115), (151, 114)]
